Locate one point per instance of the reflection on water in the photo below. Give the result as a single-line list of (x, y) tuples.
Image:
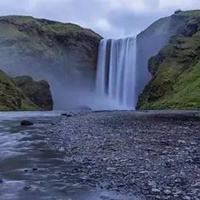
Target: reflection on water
[(30, 170)]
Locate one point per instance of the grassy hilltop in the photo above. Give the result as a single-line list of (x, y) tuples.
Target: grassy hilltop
[(175, 70)]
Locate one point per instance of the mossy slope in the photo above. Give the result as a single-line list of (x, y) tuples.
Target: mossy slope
[(64, 54), (176, 69), (37, 91), (52, 47), (11, 99)]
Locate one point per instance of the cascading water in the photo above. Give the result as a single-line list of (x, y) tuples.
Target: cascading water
[(116, 73)]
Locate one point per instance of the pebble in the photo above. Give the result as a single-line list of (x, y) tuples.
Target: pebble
[(155, 190), (119, 146), (152, 183), (187, 198), (62, 149), (167, 192), (182, 141)]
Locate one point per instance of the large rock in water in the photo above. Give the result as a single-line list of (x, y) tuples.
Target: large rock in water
[(11, 98), (37, 91), (64, 54), (175, 70)]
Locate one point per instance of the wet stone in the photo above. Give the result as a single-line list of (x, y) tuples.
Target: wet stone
[(187, 198), (167, 192), (66, 115), (155, 190), (27, 188), (26, 123), (61, 149)]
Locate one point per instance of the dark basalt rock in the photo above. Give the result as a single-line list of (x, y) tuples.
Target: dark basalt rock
[(66, 115), (26, 123), (27, 188)]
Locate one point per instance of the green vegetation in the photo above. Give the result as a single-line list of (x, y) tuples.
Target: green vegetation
[(44, 48), (198, 116), (11, 98), (193, 13), (37, 91), (46, 43), (45, 25), (176, 69), (22, 93)]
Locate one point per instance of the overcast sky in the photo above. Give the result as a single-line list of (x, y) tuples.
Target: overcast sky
[(110, 18)]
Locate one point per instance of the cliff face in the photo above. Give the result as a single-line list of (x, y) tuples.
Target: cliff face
[(175, 70), (37, 91), (57, 52), (11, 98), (149, 42), (23, 93)]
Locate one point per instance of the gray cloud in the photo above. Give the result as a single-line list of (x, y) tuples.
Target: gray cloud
[(110, 18), (132, 23)]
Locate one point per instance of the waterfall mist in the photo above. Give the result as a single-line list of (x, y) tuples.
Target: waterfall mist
[(116, 74), (71, 87)]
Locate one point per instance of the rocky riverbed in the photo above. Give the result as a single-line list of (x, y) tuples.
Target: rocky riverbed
[(147, 155)]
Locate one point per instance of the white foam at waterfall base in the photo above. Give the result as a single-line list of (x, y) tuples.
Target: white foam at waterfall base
[(116, 74)]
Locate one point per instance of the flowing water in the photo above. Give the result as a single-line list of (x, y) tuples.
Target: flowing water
[(116, 73), (31, 171)]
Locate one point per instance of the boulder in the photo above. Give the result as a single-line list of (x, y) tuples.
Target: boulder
[(26, 123)]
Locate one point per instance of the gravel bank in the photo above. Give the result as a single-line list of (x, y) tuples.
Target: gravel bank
[(154, 155)]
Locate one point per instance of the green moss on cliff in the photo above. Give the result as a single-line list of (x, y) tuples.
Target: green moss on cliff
[(46, 44), (182, 93), (176, 70), (193, 13), (37, 91), (61, 53), (11, 98)]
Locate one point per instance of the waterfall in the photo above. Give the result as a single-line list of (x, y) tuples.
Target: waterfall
[(116, 73)]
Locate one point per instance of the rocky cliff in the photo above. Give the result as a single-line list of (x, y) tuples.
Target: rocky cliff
[(149, 42), (64, 54), (36, 91), (175, 70), (11, 98)]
